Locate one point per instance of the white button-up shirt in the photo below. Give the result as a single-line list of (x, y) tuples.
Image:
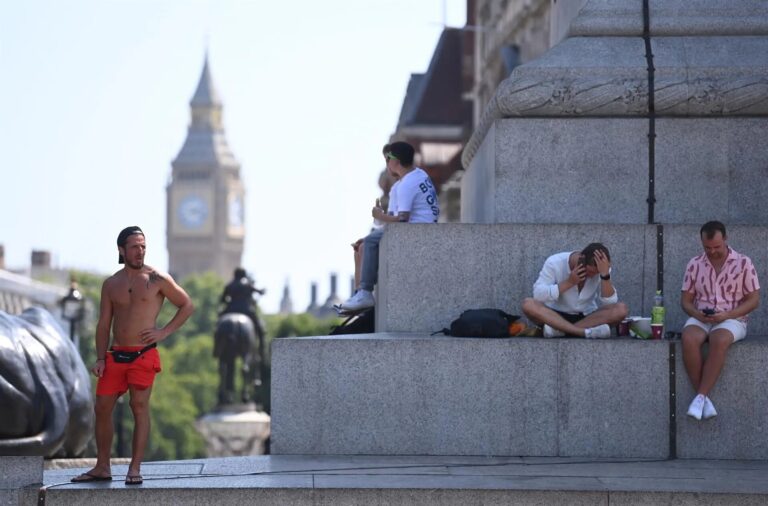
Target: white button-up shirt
[(555, 271)]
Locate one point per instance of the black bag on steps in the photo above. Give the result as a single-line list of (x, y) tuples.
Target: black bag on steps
[(486, 322)]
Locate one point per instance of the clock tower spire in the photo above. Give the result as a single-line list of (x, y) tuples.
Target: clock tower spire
[(205, 214)]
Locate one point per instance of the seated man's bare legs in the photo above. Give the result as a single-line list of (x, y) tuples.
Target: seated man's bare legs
[(539, 313), (357, 247), (703, 374), (693, 338), (369, 270), (610, 314), (719, 342)]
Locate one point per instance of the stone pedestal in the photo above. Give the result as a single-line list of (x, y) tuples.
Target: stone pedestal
[(570, 136), (17, 473), (235, 430)]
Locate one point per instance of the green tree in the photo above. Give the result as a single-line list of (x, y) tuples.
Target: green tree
[(187, 390), (205, 291), (89, 285), (296, 325)]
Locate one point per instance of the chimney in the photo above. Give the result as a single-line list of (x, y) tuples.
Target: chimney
[(333, 285), (313, 300), (2, 256), (41, 259)]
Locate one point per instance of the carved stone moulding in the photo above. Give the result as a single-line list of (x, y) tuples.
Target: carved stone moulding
[(672, 18), (608, 77)]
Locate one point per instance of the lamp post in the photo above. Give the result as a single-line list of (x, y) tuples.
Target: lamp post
[(72, 308)]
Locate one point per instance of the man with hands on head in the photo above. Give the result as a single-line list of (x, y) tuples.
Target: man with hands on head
[(130, 303), (574, 295), (720, 289)]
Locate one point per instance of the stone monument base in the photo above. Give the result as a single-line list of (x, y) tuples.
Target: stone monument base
[(234, 430), (416, 394)]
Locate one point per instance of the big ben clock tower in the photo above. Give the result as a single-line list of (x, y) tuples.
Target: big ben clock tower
[(205, 213)]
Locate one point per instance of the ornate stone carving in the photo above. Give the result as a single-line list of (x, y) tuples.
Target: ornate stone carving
[(622, 96)]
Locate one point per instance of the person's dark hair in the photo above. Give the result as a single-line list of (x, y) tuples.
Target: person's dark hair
[(122, 238), (589, 253), (239, 273), (710, 228), (385, 149), (402, 152)]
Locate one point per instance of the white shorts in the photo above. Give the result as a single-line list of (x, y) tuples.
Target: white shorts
[(735, 327)]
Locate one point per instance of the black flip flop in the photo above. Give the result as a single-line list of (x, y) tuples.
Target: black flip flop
[(88, 478), (134, 480)]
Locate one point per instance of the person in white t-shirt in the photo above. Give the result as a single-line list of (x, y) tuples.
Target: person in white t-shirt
[(386, 176), (415, 202)]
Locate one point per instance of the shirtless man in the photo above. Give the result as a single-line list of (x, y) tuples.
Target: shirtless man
[(130, 302)]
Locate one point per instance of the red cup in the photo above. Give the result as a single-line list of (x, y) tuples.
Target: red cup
[(657, 330), (623, 327)]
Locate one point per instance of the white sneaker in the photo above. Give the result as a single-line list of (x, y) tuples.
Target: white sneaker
[(362, 299), (600, 332), (709, 410), (696, 409), (550, 332)]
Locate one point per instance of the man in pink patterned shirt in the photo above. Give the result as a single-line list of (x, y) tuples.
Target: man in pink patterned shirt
[(720, 289)]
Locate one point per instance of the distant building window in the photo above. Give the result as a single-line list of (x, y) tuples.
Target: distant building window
[(510, 55)]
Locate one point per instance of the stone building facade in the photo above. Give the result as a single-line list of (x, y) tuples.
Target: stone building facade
[(443, 105), (508, 33)]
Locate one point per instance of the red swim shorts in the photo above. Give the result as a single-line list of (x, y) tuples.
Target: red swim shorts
[(140, 373)]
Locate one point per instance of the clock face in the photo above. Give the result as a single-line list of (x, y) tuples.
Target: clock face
[(236, 212), (193, 211)]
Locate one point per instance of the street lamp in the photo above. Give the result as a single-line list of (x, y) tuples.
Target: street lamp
[(72, 308)]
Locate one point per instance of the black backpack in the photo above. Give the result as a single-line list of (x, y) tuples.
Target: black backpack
[(360, 323), (481, 323)]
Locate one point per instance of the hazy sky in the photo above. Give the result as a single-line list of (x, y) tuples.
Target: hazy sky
[(94, 105)]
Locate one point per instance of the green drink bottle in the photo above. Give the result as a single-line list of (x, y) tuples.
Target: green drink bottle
[(657, 312)]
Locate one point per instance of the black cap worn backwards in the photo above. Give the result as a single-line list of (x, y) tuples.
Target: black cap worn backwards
[(122, 238)]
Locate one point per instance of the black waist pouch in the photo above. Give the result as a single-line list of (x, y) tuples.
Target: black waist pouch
[(126, 357)]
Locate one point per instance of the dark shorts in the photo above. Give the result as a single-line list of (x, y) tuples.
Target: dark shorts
[(140, 373), (570, 317)]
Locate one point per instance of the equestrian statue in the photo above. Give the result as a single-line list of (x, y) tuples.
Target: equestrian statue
[(239, 334)]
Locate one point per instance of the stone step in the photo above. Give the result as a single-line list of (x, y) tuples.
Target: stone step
[(17, 473), (413, 394), (429, 274), (311, 480)]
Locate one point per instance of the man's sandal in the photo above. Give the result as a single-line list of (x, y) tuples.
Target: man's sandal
[(134, 480), (88, 478)]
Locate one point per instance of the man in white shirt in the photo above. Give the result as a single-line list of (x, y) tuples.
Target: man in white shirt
[(574, 295), (416, 202)]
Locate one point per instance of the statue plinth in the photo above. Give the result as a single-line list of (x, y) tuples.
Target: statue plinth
[(234, 430)]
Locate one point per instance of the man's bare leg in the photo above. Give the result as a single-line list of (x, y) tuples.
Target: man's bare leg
[(719, 342), (140, 408), (610, 314), (103, 408), (693, 338), (539, 313), (358, 265)]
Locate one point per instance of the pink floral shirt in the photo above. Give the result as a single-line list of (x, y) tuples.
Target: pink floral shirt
[(721, 292)]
